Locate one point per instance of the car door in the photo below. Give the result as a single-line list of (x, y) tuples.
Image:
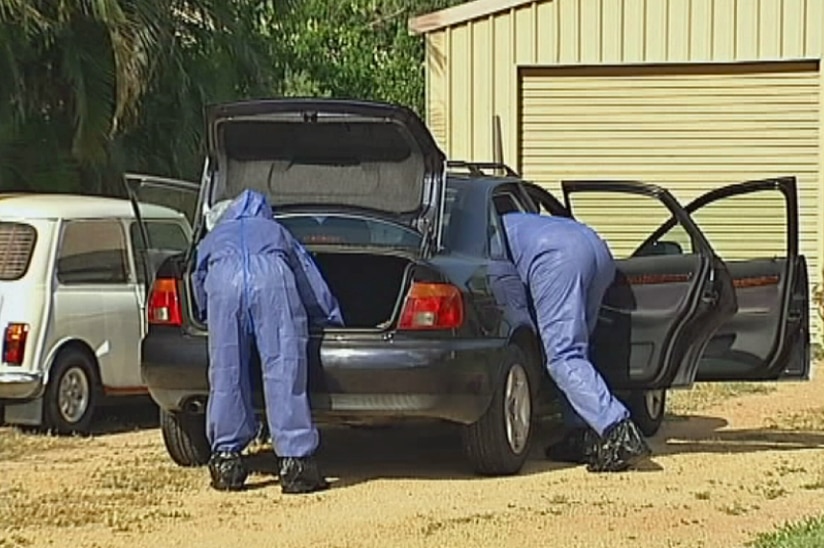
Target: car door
[(661, 310), (146, 193), (769, 336)]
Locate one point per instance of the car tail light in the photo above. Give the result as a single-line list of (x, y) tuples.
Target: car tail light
[(14, 343), (164, 303), (432, 306)]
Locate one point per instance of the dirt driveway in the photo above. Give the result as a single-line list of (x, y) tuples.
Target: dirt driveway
[(732, 461)]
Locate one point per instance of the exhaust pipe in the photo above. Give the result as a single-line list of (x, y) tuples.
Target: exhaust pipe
[(195, 406)]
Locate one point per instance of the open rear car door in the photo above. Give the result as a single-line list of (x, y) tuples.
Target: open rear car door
[(662, 310), (146, 193), (769, 336)]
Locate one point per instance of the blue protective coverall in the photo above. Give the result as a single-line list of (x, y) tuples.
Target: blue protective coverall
[(256, 283), (567, 268)]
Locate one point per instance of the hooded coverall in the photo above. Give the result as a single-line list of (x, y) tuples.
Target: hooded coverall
[(567, 269), (256, 283)]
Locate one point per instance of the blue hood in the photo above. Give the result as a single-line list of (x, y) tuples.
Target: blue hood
[(248, 204)]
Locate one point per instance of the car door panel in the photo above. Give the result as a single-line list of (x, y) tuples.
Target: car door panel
[(149, 190), (768, 338), (661, 310)]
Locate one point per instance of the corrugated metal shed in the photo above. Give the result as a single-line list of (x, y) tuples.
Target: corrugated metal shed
[(691, 94)]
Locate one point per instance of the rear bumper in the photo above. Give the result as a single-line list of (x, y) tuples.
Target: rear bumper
[(366, 377), (16, 387)]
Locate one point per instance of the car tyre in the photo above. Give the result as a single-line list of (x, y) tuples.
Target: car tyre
[(647, 409), (184, 435), (71, 394), (498, 443)]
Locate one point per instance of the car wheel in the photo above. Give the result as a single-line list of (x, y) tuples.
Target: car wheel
[(498, 444), (184, 435), (647, 408), (71, 395)]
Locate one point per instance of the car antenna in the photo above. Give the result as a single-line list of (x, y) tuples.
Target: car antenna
[(497, 144)]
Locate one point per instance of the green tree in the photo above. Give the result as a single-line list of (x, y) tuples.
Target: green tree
[(93, 86), (356, 48)]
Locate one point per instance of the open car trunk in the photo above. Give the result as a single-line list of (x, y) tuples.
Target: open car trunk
[(369, 286)]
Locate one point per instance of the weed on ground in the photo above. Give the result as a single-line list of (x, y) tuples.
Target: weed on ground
[(805, 534)]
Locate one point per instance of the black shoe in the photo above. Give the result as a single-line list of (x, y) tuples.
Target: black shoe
[(577, 447), (620, 448), (227, 471), (300, 475)]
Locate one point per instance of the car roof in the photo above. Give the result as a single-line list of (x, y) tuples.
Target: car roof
[(480, 181), (75, 206)]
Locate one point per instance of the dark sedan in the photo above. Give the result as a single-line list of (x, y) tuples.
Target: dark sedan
[(438, 325)]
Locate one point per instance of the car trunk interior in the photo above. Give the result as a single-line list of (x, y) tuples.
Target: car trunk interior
[(367, 285)]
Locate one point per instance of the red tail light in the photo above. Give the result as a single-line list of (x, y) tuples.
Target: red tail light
[(14, 343), (164, 303), (432, 306)]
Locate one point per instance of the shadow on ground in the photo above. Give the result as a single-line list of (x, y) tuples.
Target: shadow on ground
[(426, 451), (705, 434), (116, 419), (138, 415), (409, 451)]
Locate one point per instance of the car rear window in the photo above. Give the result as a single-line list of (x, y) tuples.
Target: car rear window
[(16, 246), (349, 230)]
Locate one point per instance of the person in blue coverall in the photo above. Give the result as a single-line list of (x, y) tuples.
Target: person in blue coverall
[(257, 284), (567, 269)]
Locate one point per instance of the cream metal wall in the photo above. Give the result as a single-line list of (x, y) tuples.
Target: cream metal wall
[(689, 128), (503, 64)]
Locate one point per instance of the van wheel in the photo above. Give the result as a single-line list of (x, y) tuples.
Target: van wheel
[(647, 408), (71, 394), (498, 444), (184, 435)]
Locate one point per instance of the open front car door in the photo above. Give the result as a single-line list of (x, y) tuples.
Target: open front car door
[(753, 226), (663, 308), (149, 194)]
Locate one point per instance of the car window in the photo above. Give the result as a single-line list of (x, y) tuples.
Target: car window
[(92, 252), (497, 248), (348, 230), (465, 221), (626, 220), (165, 235), (759, 228), (162, 235), (506, 202), (16, 246)]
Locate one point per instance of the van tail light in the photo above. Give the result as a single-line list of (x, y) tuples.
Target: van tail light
[(164, 303), (14, 343), (432, 306)]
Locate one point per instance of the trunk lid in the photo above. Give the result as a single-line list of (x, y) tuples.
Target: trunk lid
[(315, 152)]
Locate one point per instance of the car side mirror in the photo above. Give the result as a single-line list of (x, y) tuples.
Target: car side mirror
[(661, 248)]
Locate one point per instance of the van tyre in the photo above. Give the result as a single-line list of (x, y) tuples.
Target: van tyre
[(184, 435), (71, 394), (647, 409), (498, 443)]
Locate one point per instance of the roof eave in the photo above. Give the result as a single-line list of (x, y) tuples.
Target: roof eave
[(456, 15)]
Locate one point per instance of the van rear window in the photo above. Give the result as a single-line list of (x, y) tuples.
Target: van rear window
[(16, 247)]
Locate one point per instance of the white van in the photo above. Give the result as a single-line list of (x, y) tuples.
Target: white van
[(72, 303)]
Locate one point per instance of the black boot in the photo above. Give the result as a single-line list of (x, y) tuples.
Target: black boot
[(227, 471), (621, 447), (577, 447), (300, 475)]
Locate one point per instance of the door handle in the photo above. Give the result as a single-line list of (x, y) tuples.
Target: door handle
[(710, 296)]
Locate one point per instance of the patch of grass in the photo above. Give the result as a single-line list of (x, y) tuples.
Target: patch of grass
[(734, 509), (809, 420), (437, 525), (805, 534), (703, 396), (14, 540), (14, 443), (128, 496)]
